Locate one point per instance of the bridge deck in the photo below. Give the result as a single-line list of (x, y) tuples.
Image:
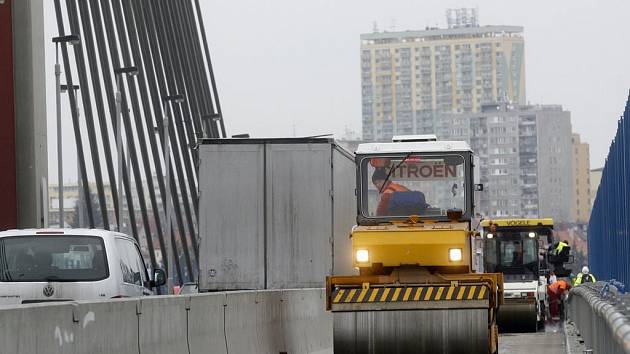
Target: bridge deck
[(551, 341)]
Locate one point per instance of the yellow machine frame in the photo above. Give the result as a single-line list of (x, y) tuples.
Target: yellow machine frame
[(518, 222), (411, 244)]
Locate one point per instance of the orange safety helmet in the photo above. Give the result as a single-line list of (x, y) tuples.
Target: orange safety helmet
[(379, 162)]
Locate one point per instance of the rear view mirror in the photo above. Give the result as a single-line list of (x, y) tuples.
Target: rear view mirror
[(159, 277)]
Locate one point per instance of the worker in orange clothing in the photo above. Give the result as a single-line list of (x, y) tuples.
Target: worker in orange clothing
[(386, 188), (555, 293)]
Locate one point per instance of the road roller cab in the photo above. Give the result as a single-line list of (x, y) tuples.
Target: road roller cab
[(414, 206), (411, 248)]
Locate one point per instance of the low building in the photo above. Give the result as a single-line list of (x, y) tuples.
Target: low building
[(581, 197)]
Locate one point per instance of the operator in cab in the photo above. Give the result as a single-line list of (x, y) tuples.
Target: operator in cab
[(386, 190), (396, 199)]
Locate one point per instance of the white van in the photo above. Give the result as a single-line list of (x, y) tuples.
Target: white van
[(41, 265)]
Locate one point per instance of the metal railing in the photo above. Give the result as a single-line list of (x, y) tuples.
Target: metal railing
[(609, 226), (601, 313)]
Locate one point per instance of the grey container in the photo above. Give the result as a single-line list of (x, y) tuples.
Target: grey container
[(274, 213)]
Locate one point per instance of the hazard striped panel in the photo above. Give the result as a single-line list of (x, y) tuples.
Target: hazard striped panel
[(410, 293)]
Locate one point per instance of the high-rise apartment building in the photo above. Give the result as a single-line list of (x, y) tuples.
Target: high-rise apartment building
[(407, 77), (581, 200), (525, 155)]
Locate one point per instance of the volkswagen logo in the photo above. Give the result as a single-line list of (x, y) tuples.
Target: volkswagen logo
[(48, 290)]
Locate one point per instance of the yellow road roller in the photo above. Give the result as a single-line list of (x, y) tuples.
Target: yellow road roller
[(415, 290)]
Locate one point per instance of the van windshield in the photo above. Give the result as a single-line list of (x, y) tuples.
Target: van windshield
[(52, 258)]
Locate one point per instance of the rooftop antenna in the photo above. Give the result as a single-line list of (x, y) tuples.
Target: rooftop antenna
[(462, 17), (374, 27)]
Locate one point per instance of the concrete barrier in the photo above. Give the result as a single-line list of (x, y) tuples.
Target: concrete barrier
[(267, 321), (96, 319), (241, 323), (307, 327), (70, 328), (9, 320), (44, 329), (269, 327), (163, 324), (206, 323)]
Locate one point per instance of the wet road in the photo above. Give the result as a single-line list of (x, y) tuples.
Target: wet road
[(551, 341)]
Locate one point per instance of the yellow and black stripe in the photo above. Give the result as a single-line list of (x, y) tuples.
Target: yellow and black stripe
[(409, 293)]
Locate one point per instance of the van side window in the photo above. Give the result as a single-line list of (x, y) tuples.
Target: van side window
[(131, 264), (143, 265)]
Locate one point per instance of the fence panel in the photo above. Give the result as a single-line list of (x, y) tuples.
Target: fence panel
[(609, 226)]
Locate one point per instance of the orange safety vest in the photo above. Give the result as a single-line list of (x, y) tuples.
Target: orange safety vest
[(391, 188), (559, 286)]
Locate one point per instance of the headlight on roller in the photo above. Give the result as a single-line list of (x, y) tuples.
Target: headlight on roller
[(455, 254), (362, 256)]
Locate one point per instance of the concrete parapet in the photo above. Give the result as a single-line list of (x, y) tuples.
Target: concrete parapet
[(163, 324), (241, 322), (42, 329), (265, 321), (206, 323), (307, 328), (9, 320), (269, 326), (107, 326)]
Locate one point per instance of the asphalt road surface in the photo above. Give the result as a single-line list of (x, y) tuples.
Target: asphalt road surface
[(551, 341)]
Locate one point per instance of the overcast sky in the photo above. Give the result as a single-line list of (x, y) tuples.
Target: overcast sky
[(282, 62), (286, 67)]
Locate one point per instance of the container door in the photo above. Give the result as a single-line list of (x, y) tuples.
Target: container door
[(345, 210), (299, 215), (231, 224)]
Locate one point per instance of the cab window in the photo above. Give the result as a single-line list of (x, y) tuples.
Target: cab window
[(511, 253), (131, 264), (426, 185), (529, 251)]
